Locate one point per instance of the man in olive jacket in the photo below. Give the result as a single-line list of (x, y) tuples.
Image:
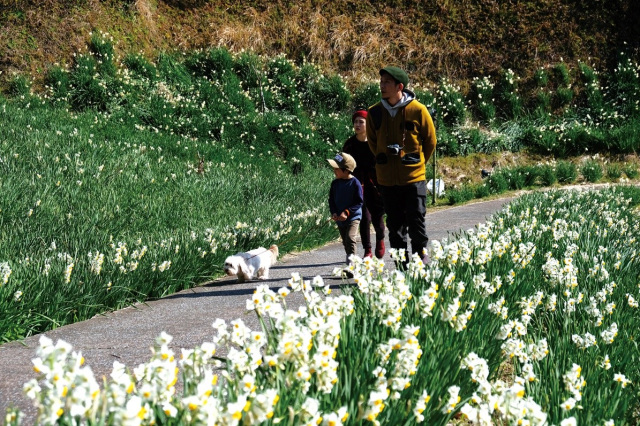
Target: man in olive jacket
[(401, 135)]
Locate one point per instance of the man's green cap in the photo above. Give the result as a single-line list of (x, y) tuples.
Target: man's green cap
[(398, 74)]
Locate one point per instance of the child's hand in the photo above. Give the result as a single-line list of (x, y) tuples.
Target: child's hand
[(334, 217), (342, 217)]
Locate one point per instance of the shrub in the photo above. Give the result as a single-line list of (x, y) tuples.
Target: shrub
[(565, 138), (624, 138), (614, 171), (469, 140), (157, 113), (511, 136), (282, 75), (591, 170), (529, 174), (561, 75), (561, 79), (365, 95), (233, 95), (332, 130), (578, 139), (548, 176), (631, 171), (460, 195), (481, 191), (429, 170), (249, 69), (482, 99), (541, 78), (140, 67), (450, 107), (563, 97), (498, 183), (507, 98), (515, 179), (58, 83), (591, 96), (88, 89), (625, 86), (285, 135), (101, 48), (465, 141), (566, 172), (19, 86), (426, 97), (488, 144), (541, 141), (542, 103), (172, 71), (325, 94), (211, 63), (447, 142)]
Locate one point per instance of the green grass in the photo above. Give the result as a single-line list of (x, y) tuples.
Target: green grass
[(75, 185)]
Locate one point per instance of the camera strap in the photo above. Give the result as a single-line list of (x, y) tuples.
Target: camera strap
[(404, 126)]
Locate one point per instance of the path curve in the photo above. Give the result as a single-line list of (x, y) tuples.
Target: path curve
[(126, 335)]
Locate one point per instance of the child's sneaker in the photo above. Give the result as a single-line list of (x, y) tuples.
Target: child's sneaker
[(367, 252), (380, 249)]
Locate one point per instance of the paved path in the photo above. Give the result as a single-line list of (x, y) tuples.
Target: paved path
[(126, 335)]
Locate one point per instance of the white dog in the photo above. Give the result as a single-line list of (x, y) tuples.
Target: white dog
[(254, 263)]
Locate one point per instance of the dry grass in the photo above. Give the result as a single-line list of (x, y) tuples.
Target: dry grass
[(247, 34), (436, 39)]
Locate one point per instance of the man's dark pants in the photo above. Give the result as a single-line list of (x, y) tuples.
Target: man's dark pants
[(372, 213), (406, 206)]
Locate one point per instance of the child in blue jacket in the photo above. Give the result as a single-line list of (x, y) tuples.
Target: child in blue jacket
[(345, 200)]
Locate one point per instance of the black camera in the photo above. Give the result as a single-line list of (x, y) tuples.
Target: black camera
[(411, 158), (394, 149)]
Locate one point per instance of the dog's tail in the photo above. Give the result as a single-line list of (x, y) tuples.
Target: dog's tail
[(274, 253)]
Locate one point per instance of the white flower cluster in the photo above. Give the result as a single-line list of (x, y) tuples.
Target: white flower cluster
[(402, 356), (307, 341), (494, 401), (5, 272), (386, 293), (574, 384), (67, 387)]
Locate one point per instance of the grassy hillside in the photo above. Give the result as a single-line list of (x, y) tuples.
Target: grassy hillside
[(433, 39)]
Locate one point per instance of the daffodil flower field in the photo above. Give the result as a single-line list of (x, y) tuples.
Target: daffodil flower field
[(530, 318), (125, 179)]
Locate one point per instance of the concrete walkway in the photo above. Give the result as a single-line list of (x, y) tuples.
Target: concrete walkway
[(127, 335)]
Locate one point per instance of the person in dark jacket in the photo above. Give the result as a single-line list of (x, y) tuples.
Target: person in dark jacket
[(365, 172)]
